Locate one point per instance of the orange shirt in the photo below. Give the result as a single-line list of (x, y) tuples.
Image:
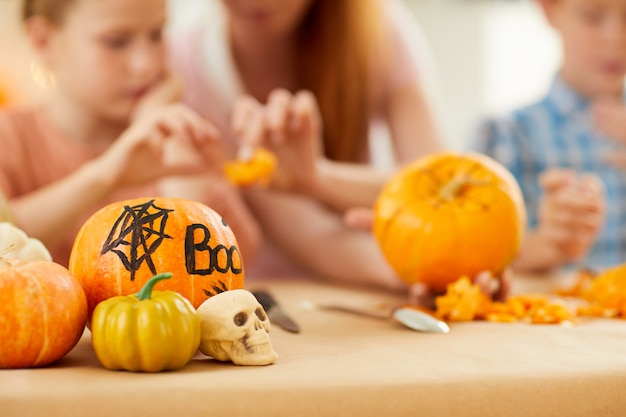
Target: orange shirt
[(34, 154)]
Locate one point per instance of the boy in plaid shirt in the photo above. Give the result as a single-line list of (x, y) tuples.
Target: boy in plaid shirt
[(566, 151)]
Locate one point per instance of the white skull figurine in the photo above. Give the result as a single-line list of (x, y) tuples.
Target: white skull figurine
[(236, 328)]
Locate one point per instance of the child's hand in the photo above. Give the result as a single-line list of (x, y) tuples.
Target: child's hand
[(571, 212), (495, 287), (610, 118), (138, 154), (290, 126), (361, 218)]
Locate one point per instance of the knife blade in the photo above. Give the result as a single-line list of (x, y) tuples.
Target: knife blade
[(275, 312)]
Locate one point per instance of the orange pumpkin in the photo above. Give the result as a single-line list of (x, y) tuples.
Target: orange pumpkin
[(124, 244), (450, 215), (43, 310)]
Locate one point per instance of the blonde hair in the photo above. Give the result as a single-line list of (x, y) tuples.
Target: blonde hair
[(53, 10), (337, 39)]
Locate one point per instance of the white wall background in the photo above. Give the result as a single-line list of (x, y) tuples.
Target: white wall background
[(491, 56)]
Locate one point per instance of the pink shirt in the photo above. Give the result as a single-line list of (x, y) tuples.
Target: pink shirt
[(34, 154)]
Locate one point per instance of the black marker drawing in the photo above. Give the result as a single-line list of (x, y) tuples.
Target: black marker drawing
[(232, 256), (219, 288), (136, 234)]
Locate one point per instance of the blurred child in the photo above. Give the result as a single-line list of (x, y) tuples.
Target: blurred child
[(64, 159), (559, 149)]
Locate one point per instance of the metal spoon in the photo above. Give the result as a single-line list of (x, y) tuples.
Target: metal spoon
[(420, 321), (407, 315)]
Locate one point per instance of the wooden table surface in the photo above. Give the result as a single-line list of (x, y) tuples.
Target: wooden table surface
[(345, 365)]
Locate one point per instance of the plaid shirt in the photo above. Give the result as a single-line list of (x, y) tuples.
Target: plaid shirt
[(558, 132)]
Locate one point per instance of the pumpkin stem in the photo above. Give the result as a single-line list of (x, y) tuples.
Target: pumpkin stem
[(452, 189), (146, 291)]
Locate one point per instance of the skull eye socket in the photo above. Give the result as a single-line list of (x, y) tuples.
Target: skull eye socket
[(260, 314), (240, 319)]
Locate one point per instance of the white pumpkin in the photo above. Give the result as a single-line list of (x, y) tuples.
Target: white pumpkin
[(15, 244)]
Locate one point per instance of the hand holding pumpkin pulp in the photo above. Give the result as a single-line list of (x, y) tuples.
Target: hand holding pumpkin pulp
[(259, 169), (446, 216)]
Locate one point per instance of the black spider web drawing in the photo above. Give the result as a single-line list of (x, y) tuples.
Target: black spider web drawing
[(136, 235)]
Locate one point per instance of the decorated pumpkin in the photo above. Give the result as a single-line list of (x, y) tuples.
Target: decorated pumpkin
[(43, 310), (124, 244), (449, 215)]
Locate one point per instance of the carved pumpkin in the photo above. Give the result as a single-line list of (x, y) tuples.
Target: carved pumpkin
[(124, 244), (43, 310), (450, 215)]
